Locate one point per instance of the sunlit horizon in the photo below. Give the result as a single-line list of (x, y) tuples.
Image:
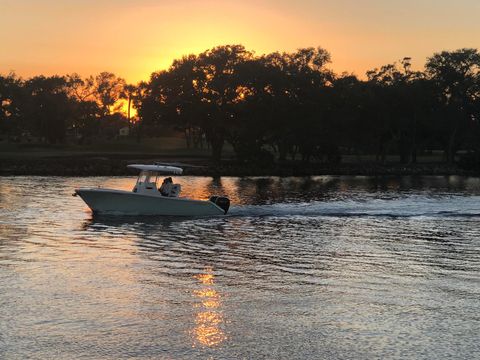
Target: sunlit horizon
[(135, 38)]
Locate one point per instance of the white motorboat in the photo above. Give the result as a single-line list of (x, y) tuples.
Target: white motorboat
[(148, 198)]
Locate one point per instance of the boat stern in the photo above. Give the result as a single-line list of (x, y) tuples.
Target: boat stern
[(221, 201)]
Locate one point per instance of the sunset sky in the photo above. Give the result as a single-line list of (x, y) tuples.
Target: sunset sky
[(132, 38)]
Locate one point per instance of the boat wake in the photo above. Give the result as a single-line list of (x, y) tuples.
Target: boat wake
[(411, 206)]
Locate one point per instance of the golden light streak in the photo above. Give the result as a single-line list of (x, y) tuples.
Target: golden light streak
[(206, 279), (209, 318)]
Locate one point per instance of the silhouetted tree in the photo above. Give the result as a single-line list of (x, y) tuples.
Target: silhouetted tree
[(217, 84), (129, 93), (456, 75), (48, 107), (11, 99), (402, 100), (198, 92)]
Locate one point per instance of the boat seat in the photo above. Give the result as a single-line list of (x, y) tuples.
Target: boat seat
[(175, 191)]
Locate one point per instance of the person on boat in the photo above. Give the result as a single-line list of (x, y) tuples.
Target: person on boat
[(166, 187)]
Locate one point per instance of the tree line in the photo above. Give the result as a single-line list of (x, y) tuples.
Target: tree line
[(53, 108), (281, 106)]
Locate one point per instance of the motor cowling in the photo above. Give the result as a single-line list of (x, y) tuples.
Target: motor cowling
[(221, 201)]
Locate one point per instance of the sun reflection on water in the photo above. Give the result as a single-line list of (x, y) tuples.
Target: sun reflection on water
[(208, 317)]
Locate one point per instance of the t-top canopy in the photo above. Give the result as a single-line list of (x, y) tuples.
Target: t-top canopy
[(158, 168)]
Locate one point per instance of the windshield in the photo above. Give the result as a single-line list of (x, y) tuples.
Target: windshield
[(146, 177)]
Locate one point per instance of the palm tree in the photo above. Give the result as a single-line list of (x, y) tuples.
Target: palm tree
[(129, 94)]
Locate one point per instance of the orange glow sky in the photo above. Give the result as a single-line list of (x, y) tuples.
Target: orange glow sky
[(132, 38)]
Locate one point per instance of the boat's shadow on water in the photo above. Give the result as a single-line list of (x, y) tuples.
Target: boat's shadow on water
[(104, 222), (117, 220), (151, 234)]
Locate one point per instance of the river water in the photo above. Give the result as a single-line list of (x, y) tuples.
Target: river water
[(320, 267)]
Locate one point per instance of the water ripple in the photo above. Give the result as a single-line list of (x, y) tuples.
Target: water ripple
[(342, 267)]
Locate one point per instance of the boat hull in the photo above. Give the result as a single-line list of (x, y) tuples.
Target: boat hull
[(107, 201)]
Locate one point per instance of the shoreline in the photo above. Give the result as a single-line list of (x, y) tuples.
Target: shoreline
[(108, 165)]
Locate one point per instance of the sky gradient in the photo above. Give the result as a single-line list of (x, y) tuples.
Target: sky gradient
[(133, 38)]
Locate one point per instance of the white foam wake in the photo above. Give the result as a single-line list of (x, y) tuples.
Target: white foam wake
[(411, 206)]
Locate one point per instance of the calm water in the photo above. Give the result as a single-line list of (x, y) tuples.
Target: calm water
[(324, 267)]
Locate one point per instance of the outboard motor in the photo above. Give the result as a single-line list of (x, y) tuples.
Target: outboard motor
[(221, 201)]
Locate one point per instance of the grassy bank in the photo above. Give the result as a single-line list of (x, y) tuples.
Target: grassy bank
[(111, 159), (115, 164)]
